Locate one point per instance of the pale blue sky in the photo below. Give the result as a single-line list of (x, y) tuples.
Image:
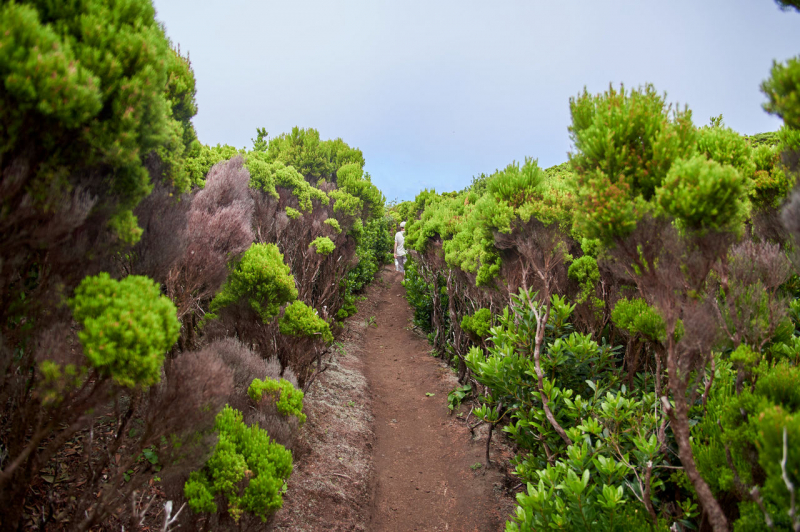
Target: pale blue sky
[(436, 91)]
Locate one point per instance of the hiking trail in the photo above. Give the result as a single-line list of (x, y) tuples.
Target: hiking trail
[(377, 452), (429, 472)]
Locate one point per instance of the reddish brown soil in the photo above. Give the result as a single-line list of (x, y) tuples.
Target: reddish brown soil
[(378, 454), (429, 473)]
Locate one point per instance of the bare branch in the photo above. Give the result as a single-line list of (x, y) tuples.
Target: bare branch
[(168, 518), (789, 483)]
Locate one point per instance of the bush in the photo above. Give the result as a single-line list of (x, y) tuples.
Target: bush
[(334, 223), (783, 91), (96, 113), (247, 471), (585, 272), (583, 482), (218, 230), (703, 194), (637, 317), (301, 320), (247, 366), (261, 279), (315, 159), (617, 178), (479, 323), (288, 399), (323, 245), (93, 77), (728, 148), (419, 295), (654, 206), (128, 326)]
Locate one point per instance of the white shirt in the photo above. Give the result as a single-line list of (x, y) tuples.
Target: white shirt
[(399, 240)]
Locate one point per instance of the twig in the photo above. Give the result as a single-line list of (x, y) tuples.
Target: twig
[(146, 508), (741, 487), (89, 450), (709, 382), (473, 427), (789, 484), (666, 405), (466, 419), (648, 503), (168, 521), (756, 496), (488, 443)]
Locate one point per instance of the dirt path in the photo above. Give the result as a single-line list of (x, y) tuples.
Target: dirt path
[(378, 454), (429, 474)]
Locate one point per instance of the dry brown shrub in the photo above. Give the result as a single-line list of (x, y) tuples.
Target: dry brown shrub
[(218, 230), (162, 215), (750, 305), (245, 365)]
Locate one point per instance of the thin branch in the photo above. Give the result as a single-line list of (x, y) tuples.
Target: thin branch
[(709, 382), (648, 475), (146, 508), (168, 521), (789, 483), (541, 323), (756, 496)]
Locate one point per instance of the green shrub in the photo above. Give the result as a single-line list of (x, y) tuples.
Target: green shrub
[(313, 158), (334, 223), (783, 91), (345, 203), (479, 323), (266, 176), (585, 272), (779, 385), (261, 279), (373, 250), (246, 469), (288, 399), (127, 327), (348, 307), (747, 429), (351, 179), (770, 188), (104, 90), (626, 142), (199, 164), (322, 245), (468, 222), (419, 295), (198, 492), (703, 194), (301, 320), (728, 148), (591, 482), (637, 317)]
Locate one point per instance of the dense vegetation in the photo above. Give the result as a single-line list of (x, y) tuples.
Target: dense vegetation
[(163, 302), (630, 318)]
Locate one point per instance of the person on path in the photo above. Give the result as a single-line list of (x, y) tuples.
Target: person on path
[(399, 249)]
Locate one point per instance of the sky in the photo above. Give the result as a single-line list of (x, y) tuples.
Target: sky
[(437, 91)]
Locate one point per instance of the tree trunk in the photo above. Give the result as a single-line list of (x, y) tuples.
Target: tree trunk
[(679, 417)]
